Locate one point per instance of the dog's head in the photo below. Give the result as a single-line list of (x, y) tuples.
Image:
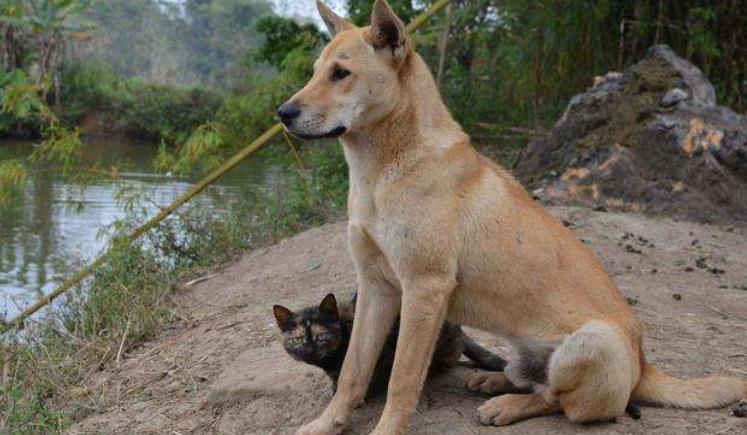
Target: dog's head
[(356, 78)]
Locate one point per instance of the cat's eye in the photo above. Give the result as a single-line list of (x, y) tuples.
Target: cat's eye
[(296, 340), (321, 336), (339, 73)]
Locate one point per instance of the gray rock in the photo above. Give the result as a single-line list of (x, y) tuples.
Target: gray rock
[(693, 79), (674, 96)]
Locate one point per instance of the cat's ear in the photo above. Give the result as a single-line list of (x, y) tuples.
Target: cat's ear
[(282, 316), (329, 305), (335, 23)]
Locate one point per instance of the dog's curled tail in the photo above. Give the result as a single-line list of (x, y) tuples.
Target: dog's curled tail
[(484, 358), (658, 388)]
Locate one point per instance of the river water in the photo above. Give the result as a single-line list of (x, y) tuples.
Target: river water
[(54, 227)]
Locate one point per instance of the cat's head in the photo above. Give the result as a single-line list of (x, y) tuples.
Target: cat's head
[(313, 334)]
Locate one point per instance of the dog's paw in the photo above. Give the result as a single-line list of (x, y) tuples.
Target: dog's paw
[(496, 411), (488, 382), (320, 426)]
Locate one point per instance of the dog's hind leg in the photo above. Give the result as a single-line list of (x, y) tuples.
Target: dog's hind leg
[(590, 376), (592, 373)]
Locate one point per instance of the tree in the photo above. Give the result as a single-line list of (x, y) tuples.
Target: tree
[(283, 35), (11, 22), (219, 33), (51, 23)]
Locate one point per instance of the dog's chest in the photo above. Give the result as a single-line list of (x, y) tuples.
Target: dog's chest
[(374, 236)]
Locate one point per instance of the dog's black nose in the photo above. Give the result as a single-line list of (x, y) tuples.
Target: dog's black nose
[(288, 112)]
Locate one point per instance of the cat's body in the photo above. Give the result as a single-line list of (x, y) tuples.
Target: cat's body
[(319, 335)]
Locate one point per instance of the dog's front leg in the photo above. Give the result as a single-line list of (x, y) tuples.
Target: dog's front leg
[(376, 309), (424, 305)]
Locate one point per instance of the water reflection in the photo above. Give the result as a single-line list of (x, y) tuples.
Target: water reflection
[(53, 226)]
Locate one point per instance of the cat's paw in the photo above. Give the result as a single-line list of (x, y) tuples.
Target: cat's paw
[(493, 383), (488, 382)]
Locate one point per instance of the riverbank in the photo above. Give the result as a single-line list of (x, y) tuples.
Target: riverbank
[(686, 281), (128, 300), (58, 222)]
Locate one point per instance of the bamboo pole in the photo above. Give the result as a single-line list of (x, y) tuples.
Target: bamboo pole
[(165, 212), (425, 16)]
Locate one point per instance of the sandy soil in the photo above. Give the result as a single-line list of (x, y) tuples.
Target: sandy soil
[(219, 370)]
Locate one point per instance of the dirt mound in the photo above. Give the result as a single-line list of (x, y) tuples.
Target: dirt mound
[(649, 139), (219, 369)]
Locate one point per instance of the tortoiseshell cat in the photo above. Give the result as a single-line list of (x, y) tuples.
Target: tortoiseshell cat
[(319, 335)]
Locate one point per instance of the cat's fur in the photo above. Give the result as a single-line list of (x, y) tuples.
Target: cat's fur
[(319, 335)]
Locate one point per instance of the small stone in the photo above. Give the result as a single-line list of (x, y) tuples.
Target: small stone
[(674, 96), (632, 301), (632, 250), (654, 270), (740, 409), (677, 297), (689, 269), (701, 263)]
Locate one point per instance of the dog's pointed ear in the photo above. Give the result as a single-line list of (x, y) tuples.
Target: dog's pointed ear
[(329, 305), (282, 316), (387, 30), (335, 23)]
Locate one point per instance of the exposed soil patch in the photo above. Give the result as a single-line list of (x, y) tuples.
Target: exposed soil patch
[(216, 370)]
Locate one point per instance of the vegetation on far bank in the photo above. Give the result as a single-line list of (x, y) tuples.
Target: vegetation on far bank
[(506, 70)]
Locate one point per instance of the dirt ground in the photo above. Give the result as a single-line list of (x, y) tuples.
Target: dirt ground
[(219, 370)]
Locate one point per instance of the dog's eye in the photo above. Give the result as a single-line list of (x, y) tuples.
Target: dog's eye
[(339, 74)]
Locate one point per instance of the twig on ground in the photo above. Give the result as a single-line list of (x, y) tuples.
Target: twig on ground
[(231, 325), (723, 313), (201, 279), (122, 343)]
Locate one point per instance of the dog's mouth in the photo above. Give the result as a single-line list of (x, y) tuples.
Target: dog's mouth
[(336, 132)]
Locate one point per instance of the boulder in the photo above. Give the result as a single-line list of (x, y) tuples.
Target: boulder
[(650, 139)]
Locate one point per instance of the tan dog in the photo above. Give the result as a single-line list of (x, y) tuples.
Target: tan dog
[(438, 231)]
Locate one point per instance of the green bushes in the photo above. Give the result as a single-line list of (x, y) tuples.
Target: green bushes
[(144, 110), (19, 104), (153, 111)]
